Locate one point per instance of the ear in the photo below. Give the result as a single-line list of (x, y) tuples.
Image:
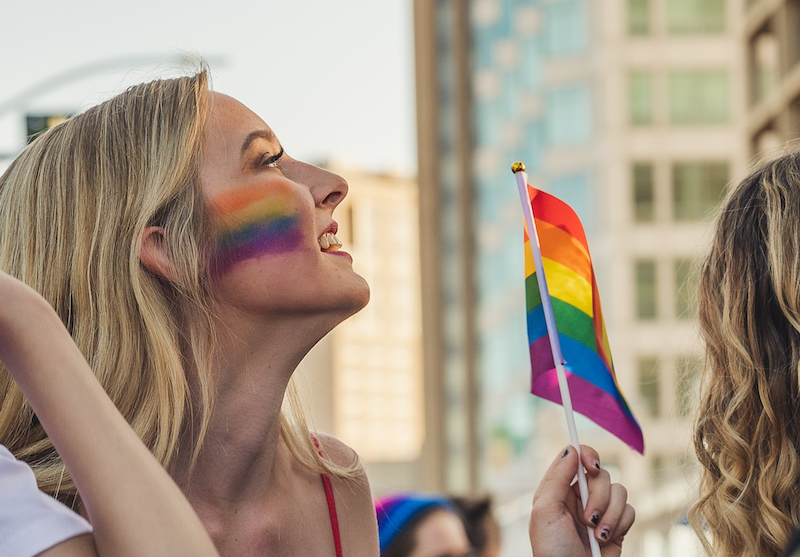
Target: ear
[(154, 255)]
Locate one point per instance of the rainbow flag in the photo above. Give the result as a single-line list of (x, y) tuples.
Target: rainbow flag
[(576, 307)]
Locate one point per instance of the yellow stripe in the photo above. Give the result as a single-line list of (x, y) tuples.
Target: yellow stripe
[(563, 283)]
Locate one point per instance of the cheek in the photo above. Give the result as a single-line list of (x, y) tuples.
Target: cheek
[(254, 224)]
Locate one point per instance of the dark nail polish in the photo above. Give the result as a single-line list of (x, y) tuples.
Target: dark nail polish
[(596, 464), (566, 452), (605, 532), (595, 518)]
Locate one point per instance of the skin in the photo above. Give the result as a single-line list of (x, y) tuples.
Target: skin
[(558, 521), (441, 534), (251, 494)]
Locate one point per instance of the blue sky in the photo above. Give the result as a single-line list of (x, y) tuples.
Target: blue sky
[(334, 78)]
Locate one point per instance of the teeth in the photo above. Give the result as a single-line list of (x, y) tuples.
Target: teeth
[(329, 242)]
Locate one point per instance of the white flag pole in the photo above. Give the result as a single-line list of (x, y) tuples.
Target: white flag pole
[(555, 345)]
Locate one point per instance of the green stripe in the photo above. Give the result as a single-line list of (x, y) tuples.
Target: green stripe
[(570, 321)]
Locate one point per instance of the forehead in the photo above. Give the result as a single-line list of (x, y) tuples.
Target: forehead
[(228, 126), (228, 117)]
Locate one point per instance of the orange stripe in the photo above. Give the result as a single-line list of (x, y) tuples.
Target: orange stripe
[(232, 201), (564, 248)]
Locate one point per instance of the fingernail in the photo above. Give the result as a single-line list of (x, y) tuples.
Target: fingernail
[(596, 464), (595, 518), (604, 532), (565, 453)]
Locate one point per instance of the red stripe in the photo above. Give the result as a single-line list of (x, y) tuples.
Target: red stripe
[(556, 212)]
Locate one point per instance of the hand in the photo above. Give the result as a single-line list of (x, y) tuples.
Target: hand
[(558, 520)]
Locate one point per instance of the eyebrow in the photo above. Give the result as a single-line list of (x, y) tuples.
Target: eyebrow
[(266, 135)]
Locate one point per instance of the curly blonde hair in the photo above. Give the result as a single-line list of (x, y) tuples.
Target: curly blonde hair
[(73, 208), (747, 432)]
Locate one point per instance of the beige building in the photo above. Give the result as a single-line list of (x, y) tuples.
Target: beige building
[(363, 382), (673, 96)]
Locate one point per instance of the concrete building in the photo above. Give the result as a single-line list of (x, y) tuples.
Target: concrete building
[(632, 111)]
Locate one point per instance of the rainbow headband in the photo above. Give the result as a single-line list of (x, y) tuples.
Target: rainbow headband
[(251, 222)]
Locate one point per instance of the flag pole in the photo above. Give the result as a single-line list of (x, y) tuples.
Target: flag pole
[(521, 176)]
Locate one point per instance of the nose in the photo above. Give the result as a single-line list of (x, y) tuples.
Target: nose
[(327, 188)]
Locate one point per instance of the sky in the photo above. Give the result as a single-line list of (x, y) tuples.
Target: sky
[(333, 78)]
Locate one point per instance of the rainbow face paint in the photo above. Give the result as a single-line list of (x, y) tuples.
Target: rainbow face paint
[(252, 222)]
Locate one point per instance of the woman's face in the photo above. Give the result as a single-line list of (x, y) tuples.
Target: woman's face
[(441, 534), (271, 215)]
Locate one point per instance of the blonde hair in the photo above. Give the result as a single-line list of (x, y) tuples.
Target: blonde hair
[(73, 207), (747, 433)]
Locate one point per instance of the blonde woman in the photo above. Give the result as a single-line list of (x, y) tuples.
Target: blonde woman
[(747, 434), (194, 263)]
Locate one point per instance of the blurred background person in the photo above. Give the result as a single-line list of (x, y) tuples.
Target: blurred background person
[(419, 525)]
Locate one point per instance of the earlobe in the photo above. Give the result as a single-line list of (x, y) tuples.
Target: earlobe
[(154, 255)]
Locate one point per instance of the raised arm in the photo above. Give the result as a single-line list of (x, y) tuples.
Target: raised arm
[(134, 506)]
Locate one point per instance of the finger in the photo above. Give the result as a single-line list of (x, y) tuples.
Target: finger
[(555, 484), (624, 524), (590, 460), (610, 522), (599, 497)]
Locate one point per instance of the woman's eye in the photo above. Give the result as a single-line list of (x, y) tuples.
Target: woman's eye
[(272, 162)]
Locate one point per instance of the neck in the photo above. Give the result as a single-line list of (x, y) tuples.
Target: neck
[(242, 457)]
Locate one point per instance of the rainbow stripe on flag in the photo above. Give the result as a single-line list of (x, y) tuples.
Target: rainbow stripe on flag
[(579, 319)]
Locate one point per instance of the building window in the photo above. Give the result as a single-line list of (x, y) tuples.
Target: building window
[(685, 273), (687, 385), (569, 114), (643, 192), (566, 27), (765, 56), (697, 188), (646, 300), (686, 17), (640, 95), (638, 17), (649, 388), (698, 97)]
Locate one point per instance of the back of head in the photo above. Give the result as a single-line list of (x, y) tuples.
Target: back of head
[(73, 207), (747, 436)]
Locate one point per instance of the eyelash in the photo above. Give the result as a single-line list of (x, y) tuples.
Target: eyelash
[(272, 162)]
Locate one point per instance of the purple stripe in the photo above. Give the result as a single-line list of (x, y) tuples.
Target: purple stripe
[(281, 241), (594, 403)]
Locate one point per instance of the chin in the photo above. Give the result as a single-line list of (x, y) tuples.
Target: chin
[(360, 297)]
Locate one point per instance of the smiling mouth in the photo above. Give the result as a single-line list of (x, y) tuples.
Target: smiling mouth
[(329, 242)]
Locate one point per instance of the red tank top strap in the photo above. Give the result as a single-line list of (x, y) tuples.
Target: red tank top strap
[(337, 539), (326, 483)]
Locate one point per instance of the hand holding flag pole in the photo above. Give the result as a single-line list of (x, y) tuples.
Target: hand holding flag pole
[(521, 176)]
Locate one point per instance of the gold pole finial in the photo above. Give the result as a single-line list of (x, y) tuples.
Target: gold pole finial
[(517, 167)]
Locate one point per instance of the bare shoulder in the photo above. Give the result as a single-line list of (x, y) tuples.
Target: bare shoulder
[(354, 505)]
